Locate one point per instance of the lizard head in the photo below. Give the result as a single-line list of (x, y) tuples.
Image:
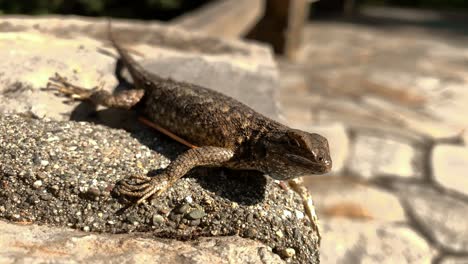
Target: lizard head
[(293, 153)]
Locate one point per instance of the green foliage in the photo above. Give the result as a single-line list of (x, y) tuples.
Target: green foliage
[(445, 4), (143, 9)]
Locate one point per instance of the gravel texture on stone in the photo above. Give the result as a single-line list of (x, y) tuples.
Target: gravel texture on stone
[(63, 174)]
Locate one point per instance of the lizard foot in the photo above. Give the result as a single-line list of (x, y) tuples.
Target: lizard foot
[(143, 187), (60, 84)]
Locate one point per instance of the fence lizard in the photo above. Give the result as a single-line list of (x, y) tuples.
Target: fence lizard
[(227, 132)]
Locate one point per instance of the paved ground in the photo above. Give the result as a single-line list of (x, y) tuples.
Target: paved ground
[(392, 98)]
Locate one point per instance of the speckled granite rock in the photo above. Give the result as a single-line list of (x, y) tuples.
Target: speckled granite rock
[(63, 173)]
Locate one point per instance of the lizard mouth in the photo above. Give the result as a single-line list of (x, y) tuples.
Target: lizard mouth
[(301, 160), (307, 163)]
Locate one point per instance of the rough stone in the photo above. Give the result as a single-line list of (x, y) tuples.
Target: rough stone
[(29, 59), (77, 184), (450, 167), (85, 161), (346, 241), (36, 48), (454, 260), (419, 88), (40, 244), (342, 197), (375, 156), (442, 216)]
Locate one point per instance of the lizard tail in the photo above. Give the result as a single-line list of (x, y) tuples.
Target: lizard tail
[(138, 73)]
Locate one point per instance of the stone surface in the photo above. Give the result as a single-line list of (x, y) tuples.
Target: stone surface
[(342, 197), (440, 215), (346, 241), (455, 260), (450, 167), (376, 156), (78, 165), (365, 78), (39, 244), (39, 47), (29, 59), (395, 103)]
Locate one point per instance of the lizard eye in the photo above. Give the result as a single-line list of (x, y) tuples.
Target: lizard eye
[(294, 142)]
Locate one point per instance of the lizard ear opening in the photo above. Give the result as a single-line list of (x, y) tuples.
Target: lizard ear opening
[(260, 151)]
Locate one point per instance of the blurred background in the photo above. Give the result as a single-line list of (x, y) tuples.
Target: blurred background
[(167, 9), (386, 81)]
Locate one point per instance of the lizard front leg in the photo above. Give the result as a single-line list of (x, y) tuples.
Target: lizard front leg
[(145, 187), (124, 99), (297, 185)]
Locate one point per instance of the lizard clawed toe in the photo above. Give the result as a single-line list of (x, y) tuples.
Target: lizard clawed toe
[(134, 187), (62, 86), (144, 187)]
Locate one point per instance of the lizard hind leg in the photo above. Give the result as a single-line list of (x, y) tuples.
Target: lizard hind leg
[(60, 84), (124, 99)]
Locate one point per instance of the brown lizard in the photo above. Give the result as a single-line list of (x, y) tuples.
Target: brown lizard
[(227, 133)]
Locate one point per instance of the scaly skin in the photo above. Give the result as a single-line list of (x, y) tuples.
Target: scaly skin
[(227, 132)]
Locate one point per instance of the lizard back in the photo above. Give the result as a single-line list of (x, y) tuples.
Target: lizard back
[(202, 116)]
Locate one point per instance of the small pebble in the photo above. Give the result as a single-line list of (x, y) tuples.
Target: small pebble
[(195, 222), (287, 252), (279, 233), (37, 184), (299, 214), (189, 199), (195, 214), (157, 219), (175, 217), (251, 232), (250, 218), (183, 209), (287, 214)]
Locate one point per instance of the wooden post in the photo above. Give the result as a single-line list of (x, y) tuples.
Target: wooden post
[(282, 25)]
